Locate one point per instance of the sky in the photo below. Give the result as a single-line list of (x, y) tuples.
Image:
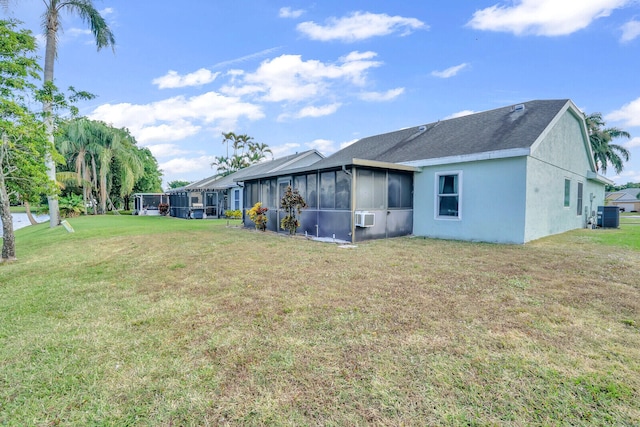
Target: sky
[(321, 75)]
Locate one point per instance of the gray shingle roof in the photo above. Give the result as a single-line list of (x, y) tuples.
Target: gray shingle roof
[(626, 195), (269, 166), (494, 130)]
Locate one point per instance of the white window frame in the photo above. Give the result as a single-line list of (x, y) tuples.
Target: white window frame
[(579, 198), (436, 194), (236, 199), (566, 201)]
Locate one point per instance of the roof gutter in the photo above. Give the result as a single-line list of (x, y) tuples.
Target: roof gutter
[(593, 176)]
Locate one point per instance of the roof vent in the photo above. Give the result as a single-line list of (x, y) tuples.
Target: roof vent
[(517, 107), (422, 128)]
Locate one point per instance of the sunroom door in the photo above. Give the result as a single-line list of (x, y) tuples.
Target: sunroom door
[(283, 183)]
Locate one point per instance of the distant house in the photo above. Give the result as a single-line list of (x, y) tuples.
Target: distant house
[(211, 197), (508, 175), (626, 199)]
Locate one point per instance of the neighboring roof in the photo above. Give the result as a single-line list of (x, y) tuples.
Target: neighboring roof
[(510, 131), (628, 195), (270, 166)]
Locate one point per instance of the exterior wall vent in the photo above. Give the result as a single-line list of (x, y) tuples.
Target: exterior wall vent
[(365, 219)]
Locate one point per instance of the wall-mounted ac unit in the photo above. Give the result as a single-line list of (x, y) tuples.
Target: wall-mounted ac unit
[(365, 219)]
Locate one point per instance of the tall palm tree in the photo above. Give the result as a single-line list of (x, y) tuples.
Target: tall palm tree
[(604, 151), (75, 142), (51, 24)]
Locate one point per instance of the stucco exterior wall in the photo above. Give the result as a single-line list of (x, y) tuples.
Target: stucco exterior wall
[(561, 155), (492, 197)]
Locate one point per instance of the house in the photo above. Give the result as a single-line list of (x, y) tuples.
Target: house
[(508, 175), (627, 199), (211, 197)]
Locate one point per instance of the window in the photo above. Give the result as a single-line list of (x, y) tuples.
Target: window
[(335, 190), (567, 193), (579, 203), (312, 194), (328, 190), (370, 191), (343, 190), (448, 195), (236, 199), (400, 190)]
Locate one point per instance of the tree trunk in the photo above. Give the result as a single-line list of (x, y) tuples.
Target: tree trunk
[(47, 108), (8, 239), (27, 207)]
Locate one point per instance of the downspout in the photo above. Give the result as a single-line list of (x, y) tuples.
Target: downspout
[(353, 201)]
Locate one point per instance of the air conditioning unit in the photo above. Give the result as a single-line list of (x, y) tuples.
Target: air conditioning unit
[(365, 219)]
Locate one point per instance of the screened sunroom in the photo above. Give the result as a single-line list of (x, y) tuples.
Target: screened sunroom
[(359, 202)]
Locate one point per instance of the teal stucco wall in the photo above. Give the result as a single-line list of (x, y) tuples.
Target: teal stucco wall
[(492, 202), (561, 155)]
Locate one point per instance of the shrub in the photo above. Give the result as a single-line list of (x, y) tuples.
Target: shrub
[(163, 208), (236, 214), (257, 214), (71, 205), (293, 203)]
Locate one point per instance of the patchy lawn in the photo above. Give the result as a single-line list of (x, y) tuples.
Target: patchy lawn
[(158, 321)]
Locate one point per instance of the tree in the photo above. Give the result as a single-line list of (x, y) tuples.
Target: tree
[(604, 151), (51, 24), (102, 155), (23, 141), (178, 183), (246, 152)]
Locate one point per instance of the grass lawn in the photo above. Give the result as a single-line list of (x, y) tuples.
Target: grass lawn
[(166, 322)]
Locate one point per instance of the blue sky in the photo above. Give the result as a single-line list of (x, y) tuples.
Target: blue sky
[(301, 75)]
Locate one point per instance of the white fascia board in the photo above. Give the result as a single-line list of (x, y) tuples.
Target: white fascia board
[(593, 176), (487, 155)]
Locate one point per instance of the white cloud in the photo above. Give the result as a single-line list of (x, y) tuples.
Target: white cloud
[(382, 96), (184, 165), (175, 131), (543, 17), (78, 32), (255, 55), (289, 78), (312, 111), (287, 12), (459, 114), (106, 11), (449, 72), (284, 149), (173, 80), (348, 143), (630, 31), (166, 150), (359, 26), (174, 118), (325, 146), (633, 143), (629, 114)]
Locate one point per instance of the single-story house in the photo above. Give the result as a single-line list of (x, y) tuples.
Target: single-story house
[(626, 199), (211, 197), (508, 175)]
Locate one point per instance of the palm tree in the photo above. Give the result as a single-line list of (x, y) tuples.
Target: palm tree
[(51, 24), (76, 145), (605, 152)]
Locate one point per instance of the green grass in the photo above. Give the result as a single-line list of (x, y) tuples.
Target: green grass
[(158, 321)]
